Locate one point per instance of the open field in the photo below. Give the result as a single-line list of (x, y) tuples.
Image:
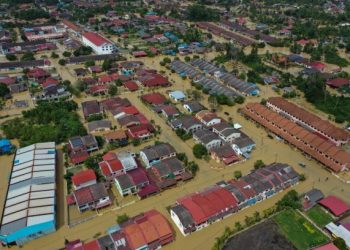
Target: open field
[(266, 235), (299, 231), (319, 216)]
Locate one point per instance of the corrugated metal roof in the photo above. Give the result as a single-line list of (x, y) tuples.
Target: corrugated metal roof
[(31, 192)]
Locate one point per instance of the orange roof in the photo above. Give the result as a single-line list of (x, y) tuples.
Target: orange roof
[(135, 236), (149, 231), (161, 224)]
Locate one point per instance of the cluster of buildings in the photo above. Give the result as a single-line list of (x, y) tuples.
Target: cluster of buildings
[(29, 210), (41, 32), (300, 132), (198, 210), (227, 34), (149, 230)]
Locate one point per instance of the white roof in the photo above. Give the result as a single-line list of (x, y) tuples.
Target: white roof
[(340, 232), (29, 202), (34, 220)]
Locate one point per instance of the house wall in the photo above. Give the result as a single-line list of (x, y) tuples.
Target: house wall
[(106, 48), (213, 144), (177, 222), (29, 233)]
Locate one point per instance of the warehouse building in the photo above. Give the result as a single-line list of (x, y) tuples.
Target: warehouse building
[(29, 208)]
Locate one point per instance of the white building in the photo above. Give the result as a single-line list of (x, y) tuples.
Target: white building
[(98, 43)]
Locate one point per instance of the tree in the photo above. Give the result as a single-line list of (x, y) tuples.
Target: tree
[(238, 226), (67, 54), (197, 12), (340, 243), (199, 151), (256, 216), (28, 56), (302, 177), (62, 62), (237, 174), (122, 218), (107, 64), (89, 64), (54, 55), (289, 200), (11, 57), (113, 90), (259, 164), (187, 58), (4, 90), (192, 167), (239, 99)]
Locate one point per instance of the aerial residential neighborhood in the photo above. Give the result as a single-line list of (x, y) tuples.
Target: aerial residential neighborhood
[(197, 124)]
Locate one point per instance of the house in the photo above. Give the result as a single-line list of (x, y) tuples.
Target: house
[(224, 154), (78, 157), (151, 155), (52, 93), (207, 138), (124, 111), (339, 231), (141, 131), (171, 168), (198, 210), (243, 144), (118, 136), (99, 126), (140, 53), (98, 43), (98, 90), (188, 123), (83, 179), (152, 80), (91, 197), (328, 246), (177, 95), (226, 132), (86, 143), (131, 86), (169, 111), (91, 108), (193, 106), (5, 146), (114, 103), (149, 230), (338, 82), (311, 198), (153, 99), (335, 205), (208, 118), (131, 182)]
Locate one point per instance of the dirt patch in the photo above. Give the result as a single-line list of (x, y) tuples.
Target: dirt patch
[(266, 235)]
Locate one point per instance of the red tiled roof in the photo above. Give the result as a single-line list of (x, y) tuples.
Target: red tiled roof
[(154, 98), (325, 126), (49, 82), (197, 213), (78, 157), (71, 25), (139, 53), (331, 156), (98, 88), (83, 177), (338, 82), (131, 85), (335, 205), (92, 245), (95, 38), (109, 156), (329, 246)]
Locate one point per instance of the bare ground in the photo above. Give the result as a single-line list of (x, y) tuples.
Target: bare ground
[(264, 236)]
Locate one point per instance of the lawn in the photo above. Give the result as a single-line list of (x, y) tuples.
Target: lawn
[(319, 216), (299, 231)]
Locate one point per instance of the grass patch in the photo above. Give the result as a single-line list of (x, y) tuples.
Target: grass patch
[(319, 216), (299, 231)]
